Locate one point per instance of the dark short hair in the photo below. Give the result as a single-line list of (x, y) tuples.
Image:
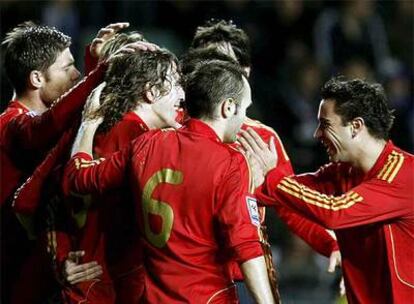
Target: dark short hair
[(29, 47), (118, 41), (209, 84), (358, 98), (128, 78), (216, 31), (194, 57)]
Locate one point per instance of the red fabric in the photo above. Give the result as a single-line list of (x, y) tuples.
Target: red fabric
[(109, 234), (26, 138), (203, 200), (313, 234), (372, 216)]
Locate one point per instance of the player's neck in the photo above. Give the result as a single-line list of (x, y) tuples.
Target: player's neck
[(368, 152), (31, 100), (217, 126), (145, 112)]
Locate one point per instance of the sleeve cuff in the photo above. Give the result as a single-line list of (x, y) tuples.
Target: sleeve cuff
[(248, 251)]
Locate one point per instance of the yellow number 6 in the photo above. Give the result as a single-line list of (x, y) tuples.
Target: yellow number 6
[(150, 205)]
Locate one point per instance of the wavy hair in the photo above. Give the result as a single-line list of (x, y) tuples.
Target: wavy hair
[(128, 78)]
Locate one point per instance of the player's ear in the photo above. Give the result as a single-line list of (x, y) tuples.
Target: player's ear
[(36, 79), (228, 108), (151, 93), (357, 124)]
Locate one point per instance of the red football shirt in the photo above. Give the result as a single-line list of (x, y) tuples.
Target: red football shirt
[(106, 233), (192, 203), (372, 216), (313, 234), (26, 138)]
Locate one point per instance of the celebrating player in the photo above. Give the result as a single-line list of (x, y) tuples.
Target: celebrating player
[(365, 194)]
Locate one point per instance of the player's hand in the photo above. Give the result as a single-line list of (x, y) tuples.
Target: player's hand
[(133, 47), (103, 35), (92, 105), (74, 272), (334, 261), (264, 153), (256, 170)]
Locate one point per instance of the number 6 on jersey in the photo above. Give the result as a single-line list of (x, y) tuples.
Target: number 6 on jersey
[(162, 209)]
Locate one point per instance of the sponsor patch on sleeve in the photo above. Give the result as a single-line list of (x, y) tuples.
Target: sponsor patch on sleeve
[(253, 210)]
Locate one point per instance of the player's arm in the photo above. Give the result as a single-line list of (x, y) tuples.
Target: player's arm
[(83, 174), (313, 234), (256, 277), (41, 131), (238, 215), (374, 200)]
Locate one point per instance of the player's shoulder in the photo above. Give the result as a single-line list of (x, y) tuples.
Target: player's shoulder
[(258, 126), (398, 167), (264, 131), (10, 113)]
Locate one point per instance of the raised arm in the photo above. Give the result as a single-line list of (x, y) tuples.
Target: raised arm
[(39, 133), (379, 198)]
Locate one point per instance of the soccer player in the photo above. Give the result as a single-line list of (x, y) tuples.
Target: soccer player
[(142, 92), (365, 194), (41, 68), (191, 192), (227, 38)]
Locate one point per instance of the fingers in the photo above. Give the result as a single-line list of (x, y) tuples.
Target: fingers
[(332, 265), (111, 29), (245, 145), (251, 141), (259, 141), (334, 260), (103, 35), (84, 272)]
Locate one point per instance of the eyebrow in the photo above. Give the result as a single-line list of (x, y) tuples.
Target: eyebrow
[(323, 120), (69, 63)]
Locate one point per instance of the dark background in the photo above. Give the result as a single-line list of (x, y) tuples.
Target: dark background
[(296, 47)]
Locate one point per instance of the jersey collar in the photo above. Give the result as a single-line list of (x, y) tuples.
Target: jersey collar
[(15, 104), (200, 127), (389, 147)]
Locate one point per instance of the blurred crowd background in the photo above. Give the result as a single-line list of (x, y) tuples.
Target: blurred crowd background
[(296, 46)]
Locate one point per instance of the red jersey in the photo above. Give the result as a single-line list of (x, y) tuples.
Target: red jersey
[(192, 203), (26, 138), (107, 234), (313, 234), (372, 216)]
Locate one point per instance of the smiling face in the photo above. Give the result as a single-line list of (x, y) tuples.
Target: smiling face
[(167, 105), (333, 134)]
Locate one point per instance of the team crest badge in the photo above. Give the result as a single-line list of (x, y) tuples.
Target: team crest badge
[(253, 210)]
